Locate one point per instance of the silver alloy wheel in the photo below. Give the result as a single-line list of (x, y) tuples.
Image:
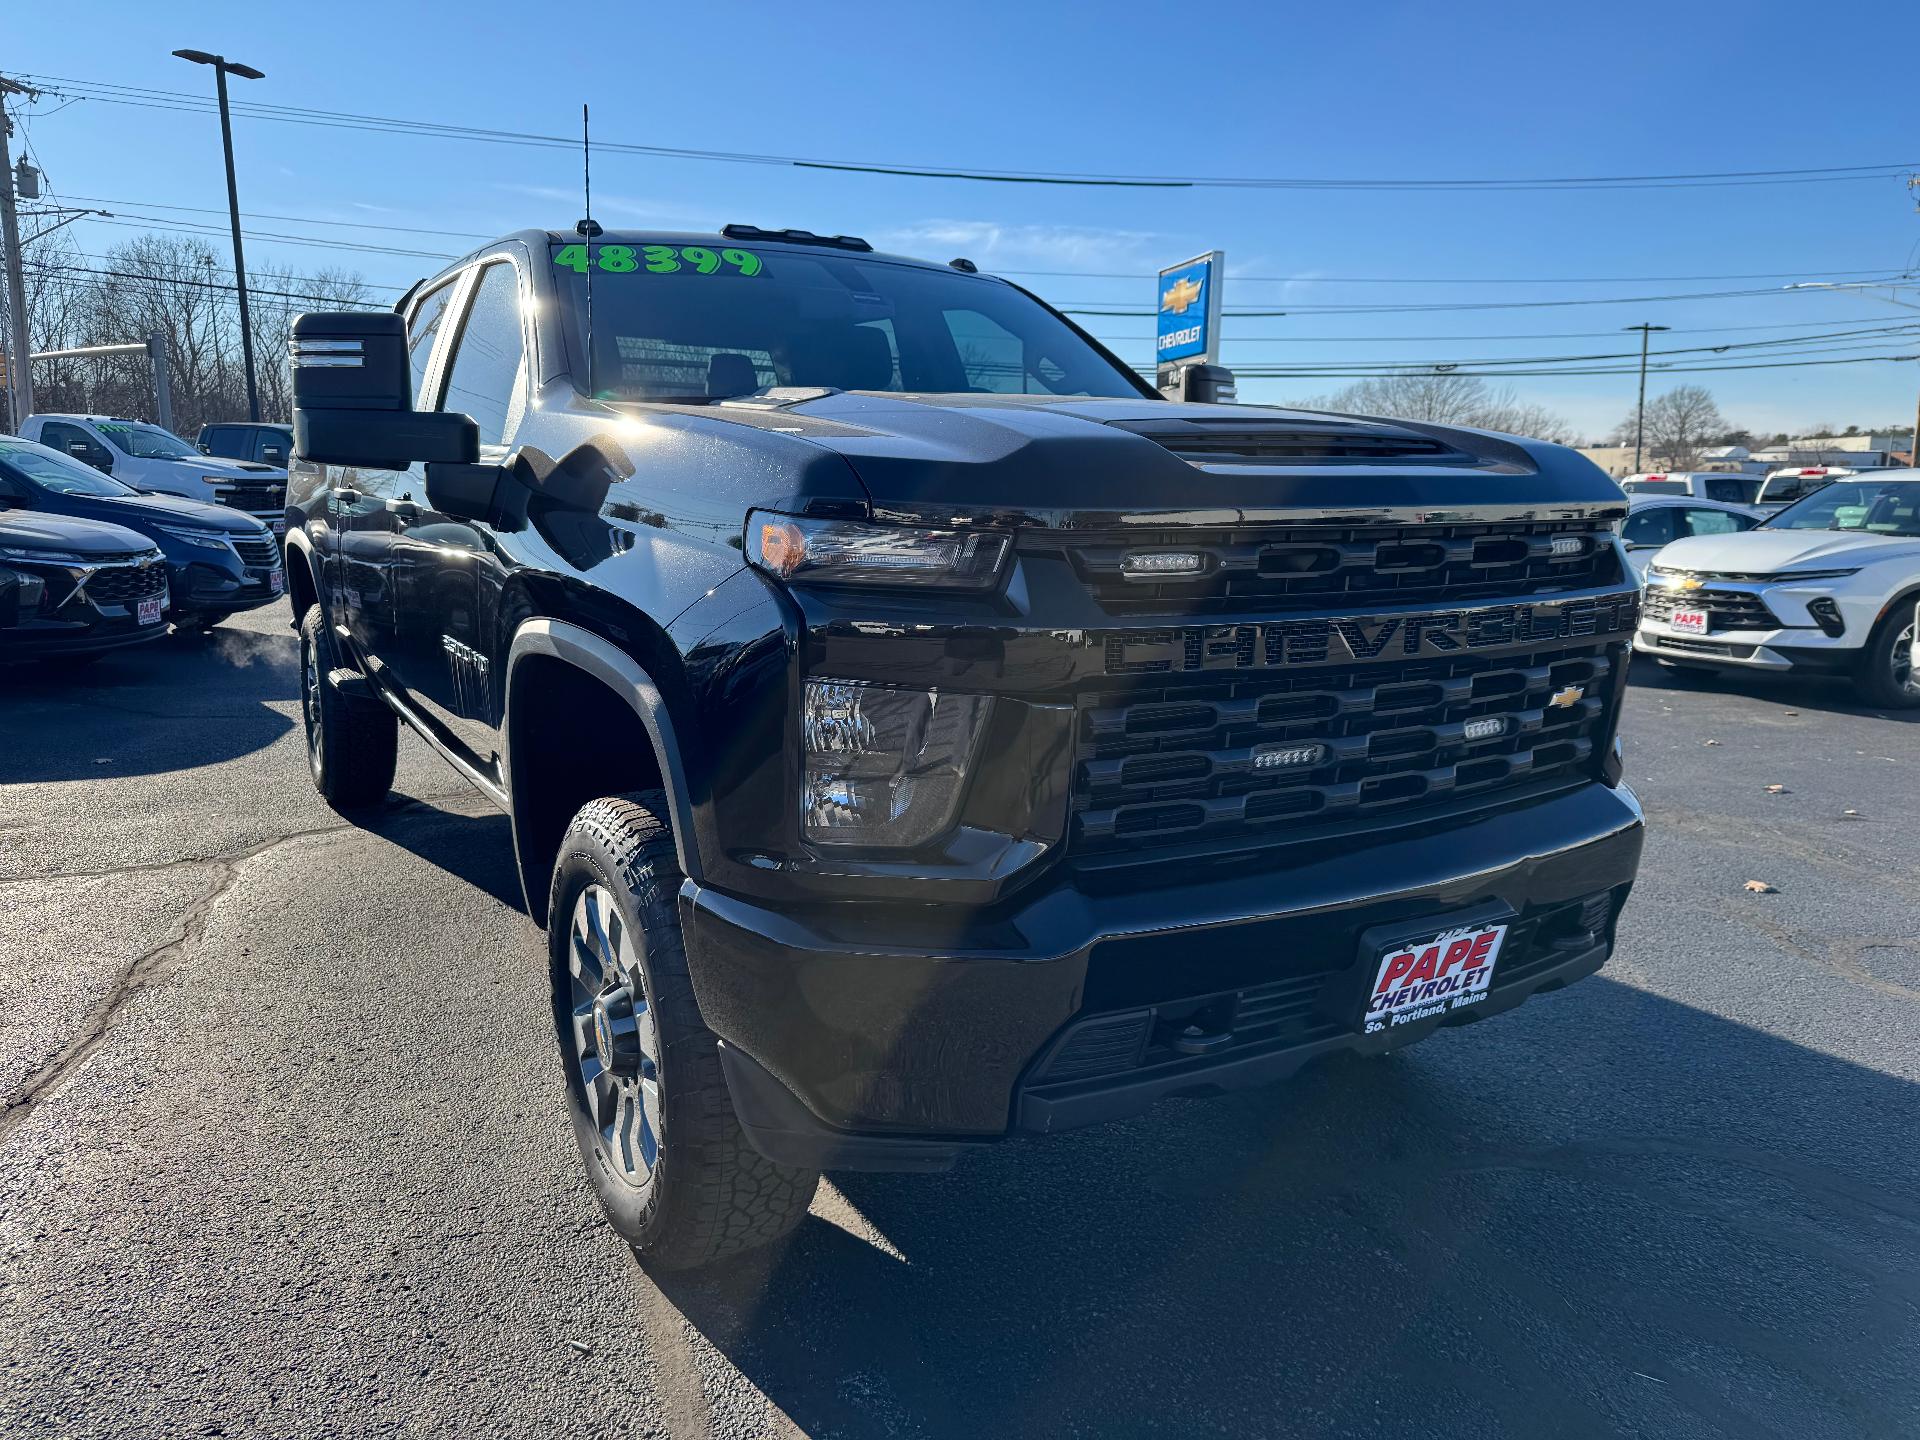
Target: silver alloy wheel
[(310, 708), (1904, 677), (616, 1040)]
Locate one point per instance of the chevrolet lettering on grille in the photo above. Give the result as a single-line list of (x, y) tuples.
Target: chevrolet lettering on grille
[(1344, 641)]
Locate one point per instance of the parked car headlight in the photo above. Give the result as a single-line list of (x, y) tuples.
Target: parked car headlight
[(885, 768), (207, 539), (851, 552), (45, 557), (29, 587)]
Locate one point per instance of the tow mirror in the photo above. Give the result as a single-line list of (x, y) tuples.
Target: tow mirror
[(353, 397), (1202, 385)]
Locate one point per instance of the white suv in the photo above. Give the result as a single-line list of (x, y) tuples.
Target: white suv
[(1826, 586)]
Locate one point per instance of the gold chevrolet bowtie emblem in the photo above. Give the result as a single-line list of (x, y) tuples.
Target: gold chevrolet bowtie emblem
[(1572, 695), (1690, 582), (1181, 296)]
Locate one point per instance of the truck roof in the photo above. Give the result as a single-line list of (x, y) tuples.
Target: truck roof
[(745, 236)]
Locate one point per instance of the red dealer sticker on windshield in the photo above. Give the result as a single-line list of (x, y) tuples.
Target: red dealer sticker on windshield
[(1432, 976)]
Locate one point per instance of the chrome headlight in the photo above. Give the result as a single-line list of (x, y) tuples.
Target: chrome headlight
[(885, 768), (851, 552)]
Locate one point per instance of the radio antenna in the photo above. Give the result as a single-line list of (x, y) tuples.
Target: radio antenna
[(587, 229)]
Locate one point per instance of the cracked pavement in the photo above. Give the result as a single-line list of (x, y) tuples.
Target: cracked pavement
[(283, 1151)]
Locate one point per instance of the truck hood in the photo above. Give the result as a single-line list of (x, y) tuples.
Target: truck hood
[(217, 465), (1091, 463), (1769, 552), (54, 533)]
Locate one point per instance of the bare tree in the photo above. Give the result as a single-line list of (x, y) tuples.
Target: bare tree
[(1680, 426), (176, 286), (1447, 400)]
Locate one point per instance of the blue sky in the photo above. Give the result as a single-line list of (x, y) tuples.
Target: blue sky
[(1390, 90)]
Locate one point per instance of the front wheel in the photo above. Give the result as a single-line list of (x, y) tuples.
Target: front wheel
[(1888, 679), (353, 741), (649, 1105)]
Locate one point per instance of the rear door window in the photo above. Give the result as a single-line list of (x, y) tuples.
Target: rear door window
[(270, 447), (1649, 527), (1731, 489), (422, 330), (1715, 522), (486, 376)]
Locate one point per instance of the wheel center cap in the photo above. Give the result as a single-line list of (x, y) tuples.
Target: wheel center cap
[(615, 1034)]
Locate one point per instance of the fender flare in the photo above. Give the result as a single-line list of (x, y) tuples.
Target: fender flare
[(619, 672)]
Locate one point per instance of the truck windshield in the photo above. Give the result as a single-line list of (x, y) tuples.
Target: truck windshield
[(145, 442), (692, 323), (1878, 507), (54, 471)]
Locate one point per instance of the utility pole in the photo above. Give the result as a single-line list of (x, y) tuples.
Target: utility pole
[(20, 368), (1640, 412), (221, 68)]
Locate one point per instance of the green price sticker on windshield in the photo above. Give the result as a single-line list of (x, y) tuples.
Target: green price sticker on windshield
[(656, 259)]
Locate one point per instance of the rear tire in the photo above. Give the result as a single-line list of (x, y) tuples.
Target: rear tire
[(353, 742), (649, 1104), (1887, 679)]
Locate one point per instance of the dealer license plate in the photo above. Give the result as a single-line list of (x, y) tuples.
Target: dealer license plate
[(1417, 979), (276, 582), (1694, 622), (148, 611)]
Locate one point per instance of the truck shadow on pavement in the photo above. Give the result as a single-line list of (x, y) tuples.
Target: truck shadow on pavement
[(1834, 696), (1609, 1213), (177, 704)]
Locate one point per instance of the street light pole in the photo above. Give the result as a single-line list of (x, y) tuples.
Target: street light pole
[(221, 67), (1640, 411), (19, 367)]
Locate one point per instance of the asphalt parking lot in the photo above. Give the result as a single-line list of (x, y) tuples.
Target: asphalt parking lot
[(284, 1150)]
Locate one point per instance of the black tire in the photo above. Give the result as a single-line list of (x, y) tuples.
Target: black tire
[(352, 741), (1887, 679), (704, 1193)]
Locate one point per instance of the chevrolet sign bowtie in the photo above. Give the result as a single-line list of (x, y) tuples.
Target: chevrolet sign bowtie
[(1181, 296), (1572, 695)]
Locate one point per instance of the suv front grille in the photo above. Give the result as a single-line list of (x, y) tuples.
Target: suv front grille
[(1262, 761), (1331, 566), (123, 584), (258, 552), (1726, 609)]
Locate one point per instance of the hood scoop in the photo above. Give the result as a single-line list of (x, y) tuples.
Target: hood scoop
[(1235, 442)]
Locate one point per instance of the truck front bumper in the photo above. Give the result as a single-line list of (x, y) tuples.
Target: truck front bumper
[(866, 1036)]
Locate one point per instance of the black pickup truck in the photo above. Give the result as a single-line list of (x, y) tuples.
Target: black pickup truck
[(918, 733)]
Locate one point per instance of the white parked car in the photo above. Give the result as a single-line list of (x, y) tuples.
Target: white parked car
[(1695, 484), (1655, 521), (1826, 586), (158, 461)]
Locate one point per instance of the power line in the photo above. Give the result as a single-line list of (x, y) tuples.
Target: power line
[(1433, 280), (416, 229), (113, 93), (1470, 304), (330, 300), (1263, 373)]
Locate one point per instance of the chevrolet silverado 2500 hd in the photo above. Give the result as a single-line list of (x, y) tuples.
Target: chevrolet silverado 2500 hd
[(918, 733)]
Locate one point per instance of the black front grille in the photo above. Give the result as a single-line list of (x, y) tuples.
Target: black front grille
[(254, 499), (1319, 566), (123, 584), (1254, 762), (1726, 609), (257, 552)]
